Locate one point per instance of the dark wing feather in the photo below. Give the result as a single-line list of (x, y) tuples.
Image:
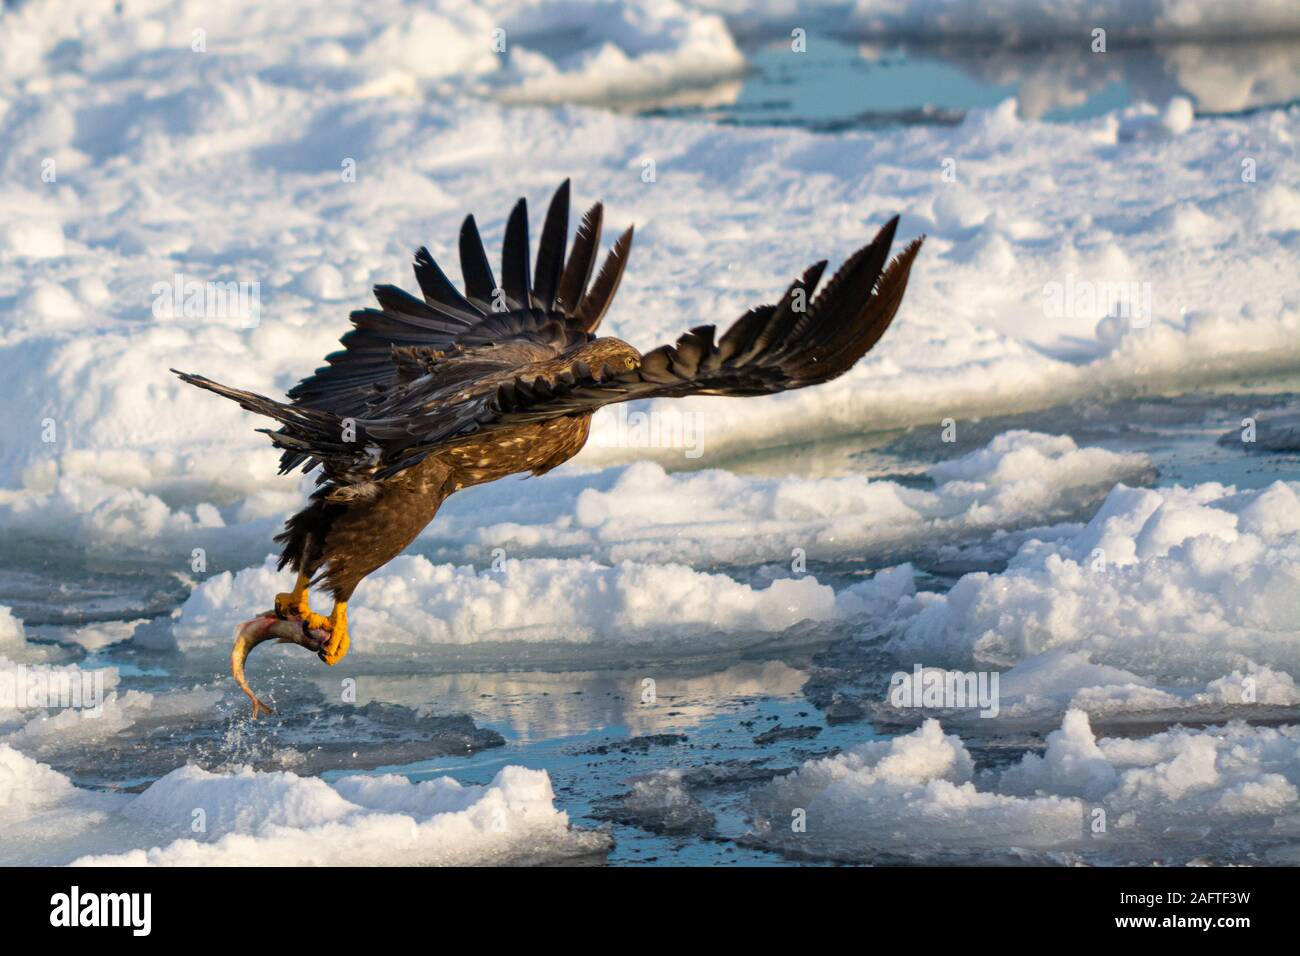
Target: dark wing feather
[(596, 302), (364, 368), (514, 258), (770, 349), (480, 287), (438, 290), (435, 396), (550, 249), (577, 273), (452, 388)]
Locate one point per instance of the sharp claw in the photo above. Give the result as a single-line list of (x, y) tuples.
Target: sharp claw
[(336, 648)]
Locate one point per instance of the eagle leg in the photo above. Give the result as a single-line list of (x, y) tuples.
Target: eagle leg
[(336, 648), (294, 604)]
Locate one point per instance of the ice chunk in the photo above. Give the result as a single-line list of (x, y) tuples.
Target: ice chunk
[(245, 817), (1181, 795), (413, 601), (1173, 584), (913, 796)]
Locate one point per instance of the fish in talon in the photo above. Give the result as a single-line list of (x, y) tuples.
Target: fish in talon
[(269, 627)]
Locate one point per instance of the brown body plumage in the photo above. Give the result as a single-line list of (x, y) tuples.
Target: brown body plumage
[(370, 531), (433, 395)]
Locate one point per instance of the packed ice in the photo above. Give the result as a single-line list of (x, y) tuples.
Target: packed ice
[(194, 817), (1167, 599), (1177, 796)]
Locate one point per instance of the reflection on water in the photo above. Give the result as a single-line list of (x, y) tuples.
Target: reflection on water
[(839, 84), (536, 705)]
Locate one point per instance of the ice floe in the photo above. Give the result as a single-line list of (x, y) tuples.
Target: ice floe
[(250, 818), (1181, 581), (413, 602), (1020, 20), (643, 513), (1150, 249), (1169, 601), (1177, 796), (648, 521)]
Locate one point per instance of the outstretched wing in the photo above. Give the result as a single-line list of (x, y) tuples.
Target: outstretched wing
[(446, 319), (800, 341)]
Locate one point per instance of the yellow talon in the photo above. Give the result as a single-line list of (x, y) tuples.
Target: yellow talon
[(336, 648), (294, 603)]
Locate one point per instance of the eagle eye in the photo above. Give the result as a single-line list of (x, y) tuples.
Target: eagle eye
[(629, 362)]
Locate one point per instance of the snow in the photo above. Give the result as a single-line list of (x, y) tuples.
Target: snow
[(51, 706), (1167, 599), (249, 818), (412, 601), (1025, 19), (1161, 574), (1036, 692), (644, 513), (1014, 21), (47, 734), (1180, 795), (903, 795), (636, 512)]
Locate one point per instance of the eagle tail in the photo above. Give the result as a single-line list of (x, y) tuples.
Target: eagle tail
[(307, 431)]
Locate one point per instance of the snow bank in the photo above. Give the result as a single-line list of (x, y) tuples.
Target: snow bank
[(610, 49), (43, 817), (1037, 691), (577, 601), (910, 795), (1181, 581), (49, 706), (1029, 19), (248, 818), (1175, 796), (638, 512), (1174, 600), (47, 733), (647, 520), (630, 51), (13, 637), (642, 513)]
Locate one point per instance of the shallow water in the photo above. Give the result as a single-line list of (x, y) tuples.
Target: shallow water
[(840, 82)]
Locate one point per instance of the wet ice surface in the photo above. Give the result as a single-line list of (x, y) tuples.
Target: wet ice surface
[(839, 82), (668, 754), (671, 776)]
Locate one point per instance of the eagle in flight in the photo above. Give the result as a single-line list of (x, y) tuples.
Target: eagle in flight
[(434, 394)]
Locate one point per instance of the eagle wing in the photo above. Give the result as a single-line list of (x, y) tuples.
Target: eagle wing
[(445, 320), (800, 341), (531, 365)]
